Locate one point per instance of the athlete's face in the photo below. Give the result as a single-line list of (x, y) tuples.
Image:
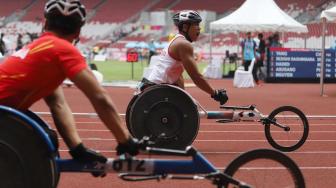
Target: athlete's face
[(194, 31)]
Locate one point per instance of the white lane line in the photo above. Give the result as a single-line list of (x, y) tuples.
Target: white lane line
[(281, 168), (230, 152), (112, 139), (261, 140), (105, 130), (92, 114), (210, 123)]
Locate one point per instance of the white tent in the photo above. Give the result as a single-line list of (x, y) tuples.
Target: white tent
[(258, 15), (330, 15)]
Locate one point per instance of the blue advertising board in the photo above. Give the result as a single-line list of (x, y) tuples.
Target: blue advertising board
[(291, 63)]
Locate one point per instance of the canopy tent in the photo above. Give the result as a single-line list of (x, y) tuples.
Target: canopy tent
[(258, 15), (329, 14)]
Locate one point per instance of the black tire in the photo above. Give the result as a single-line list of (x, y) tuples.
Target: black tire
[(25, 160), (127, 115), (303, 126), (159, 102), (270, 155)]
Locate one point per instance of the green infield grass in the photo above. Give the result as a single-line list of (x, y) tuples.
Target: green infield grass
[(119, 70)]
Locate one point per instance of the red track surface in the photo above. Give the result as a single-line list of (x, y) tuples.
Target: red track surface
[(221, 143)]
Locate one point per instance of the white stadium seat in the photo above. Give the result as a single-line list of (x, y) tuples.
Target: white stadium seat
[(242, 78)]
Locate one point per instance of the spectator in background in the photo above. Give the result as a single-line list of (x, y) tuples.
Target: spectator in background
[(268, 46), (152, 50), (276, 40), (248, 46), (19, 43), (261, 50), (2, 45), (32, 36)]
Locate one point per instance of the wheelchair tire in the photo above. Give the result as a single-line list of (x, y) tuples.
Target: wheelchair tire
[(241, 169), (127, 114), (166, 114), (25, 161), (299, 127)]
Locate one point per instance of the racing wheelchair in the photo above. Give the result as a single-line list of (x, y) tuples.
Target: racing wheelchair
[(173, 116), (29, 158)]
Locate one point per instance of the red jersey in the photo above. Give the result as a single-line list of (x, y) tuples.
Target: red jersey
[(36, 70)]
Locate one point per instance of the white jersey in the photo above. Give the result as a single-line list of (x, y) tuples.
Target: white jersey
[(165, 69)]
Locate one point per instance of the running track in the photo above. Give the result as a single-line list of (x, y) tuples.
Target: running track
[(221, 143)]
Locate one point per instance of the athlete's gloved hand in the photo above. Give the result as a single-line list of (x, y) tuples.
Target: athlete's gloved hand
[(220, 96), (130, 147), (86, 155)]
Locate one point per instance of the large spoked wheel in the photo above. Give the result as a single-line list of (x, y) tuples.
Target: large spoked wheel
[(24, 159), (128, 110), (265, 168), (294, 135), (166, 114)]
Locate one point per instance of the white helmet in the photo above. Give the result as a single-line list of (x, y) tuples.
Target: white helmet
[(186, 16), (66, 8)]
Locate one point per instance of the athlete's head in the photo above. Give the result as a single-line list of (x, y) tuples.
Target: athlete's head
[(187, 22), (65, 17)]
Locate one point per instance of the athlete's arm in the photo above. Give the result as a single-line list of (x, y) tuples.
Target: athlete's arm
[(102, 103), (185, 53), (63, 117), (180, 82)]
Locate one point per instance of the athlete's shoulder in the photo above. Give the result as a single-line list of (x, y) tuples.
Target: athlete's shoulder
[(181, 43)]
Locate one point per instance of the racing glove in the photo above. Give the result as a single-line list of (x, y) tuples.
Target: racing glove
[(85, 155), (220, 96), (131, 147)]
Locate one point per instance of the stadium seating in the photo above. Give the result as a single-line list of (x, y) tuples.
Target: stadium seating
[(8, 7), (162, 5), (106, 16), (119, 11), (212, 5), (94, 30)]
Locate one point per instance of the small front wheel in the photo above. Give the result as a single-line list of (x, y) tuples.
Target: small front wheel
[(294, 132), (264, 168)]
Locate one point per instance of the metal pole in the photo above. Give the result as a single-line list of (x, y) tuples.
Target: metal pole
[(237, 33), (324, 20)]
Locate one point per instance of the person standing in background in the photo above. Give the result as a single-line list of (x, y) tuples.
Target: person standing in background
[(276, 40), (19, 43), (152, 50), (2, 45), (248, 46), (261, 50)]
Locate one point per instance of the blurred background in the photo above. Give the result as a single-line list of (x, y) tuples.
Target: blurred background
[(116, 27)]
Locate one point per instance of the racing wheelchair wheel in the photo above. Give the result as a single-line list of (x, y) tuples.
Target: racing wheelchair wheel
[(297, 133), (25, 161), (264, 168), (127, 114), (166, 114)]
